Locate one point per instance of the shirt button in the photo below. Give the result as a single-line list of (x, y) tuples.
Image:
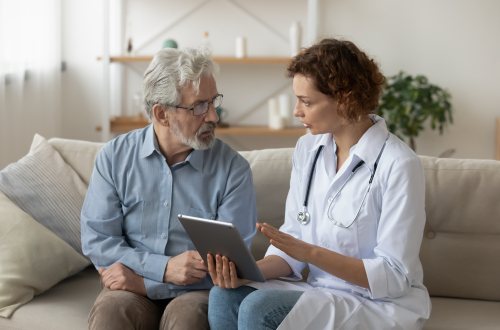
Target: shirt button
[(163, 235), (166, 204)]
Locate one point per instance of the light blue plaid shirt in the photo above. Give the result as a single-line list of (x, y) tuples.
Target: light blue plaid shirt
[(130, 211)]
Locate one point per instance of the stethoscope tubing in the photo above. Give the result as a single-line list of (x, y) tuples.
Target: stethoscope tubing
[(303, 216)]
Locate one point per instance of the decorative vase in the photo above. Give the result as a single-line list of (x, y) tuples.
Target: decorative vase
[(169, 43), (295, 38)]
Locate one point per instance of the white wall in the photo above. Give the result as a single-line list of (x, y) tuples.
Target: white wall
[(82, 80), (453, 42)]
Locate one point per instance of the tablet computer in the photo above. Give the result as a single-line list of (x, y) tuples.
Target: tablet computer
[(217, 237)]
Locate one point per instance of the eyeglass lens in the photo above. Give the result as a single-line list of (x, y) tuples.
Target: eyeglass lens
[(202, 108)]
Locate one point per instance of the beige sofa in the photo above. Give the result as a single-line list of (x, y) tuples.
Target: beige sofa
[(460, 251)]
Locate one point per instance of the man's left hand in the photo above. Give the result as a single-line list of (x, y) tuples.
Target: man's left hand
[(119, 277)]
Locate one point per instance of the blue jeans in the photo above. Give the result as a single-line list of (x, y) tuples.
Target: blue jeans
[(246, 308)]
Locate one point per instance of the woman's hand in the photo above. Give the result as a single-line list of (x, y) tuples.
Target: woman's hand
[(223, 272), (295, 248)]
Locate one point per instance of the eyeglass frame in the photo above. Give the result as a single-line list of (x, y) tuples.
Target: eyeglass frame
[(208, 103)]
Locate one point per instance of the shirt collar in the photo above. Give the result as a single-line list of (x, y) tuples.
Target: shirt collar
[(195, 159), (371, 143), (150, 145), (322, 140)]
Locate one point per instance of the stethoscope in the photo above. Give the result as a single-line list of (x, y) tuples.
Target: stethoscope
[(303, 216)]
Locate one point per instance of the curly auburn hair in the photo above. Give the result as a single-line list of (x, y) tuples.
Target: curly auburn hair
[(341, 70)]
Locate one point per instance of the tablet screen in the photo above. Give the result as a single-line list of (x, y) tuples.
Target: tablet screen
[(218, 237)]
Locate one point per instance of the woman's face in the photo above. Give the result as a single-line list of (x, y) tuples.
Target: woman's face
[(317, 111)]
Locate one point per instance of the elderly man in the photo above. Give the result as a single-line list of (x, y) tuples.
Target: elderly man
[(152, 277)]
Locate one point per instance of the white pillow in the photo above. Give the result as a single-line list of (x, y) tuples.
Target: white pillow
[(32, 258), (43, 185)]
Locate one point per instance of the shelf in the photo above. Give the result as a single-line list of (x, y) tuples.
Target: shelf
[(126, 124), (260, 131), (217, 59)]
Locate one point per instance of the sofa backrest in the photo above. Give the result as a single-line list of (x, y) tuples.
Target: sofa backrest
[(271, 170), (461, 246)]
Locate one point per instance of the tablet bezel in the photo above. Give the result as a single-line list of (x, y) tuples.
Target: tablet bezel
[(215, 236)]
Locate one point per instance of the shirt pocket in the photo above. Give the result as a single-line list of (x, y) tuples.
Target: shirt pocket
[(198, 212), (141, 219), (132, 219), (151, 218)]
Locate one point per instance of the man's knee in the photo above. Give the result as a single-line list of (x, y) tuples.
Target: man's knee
[(117, 309), (188, 311)]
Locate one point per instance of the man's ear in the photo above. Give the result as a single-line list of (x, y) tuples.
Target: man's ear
[(160, 114)]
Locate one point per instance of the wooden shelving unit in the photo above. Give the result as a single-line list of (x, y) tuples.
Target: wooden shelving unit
[(217, 59), (126, 124)]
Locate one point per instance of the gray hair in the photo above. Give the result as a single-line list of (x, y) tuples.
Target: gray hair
[(170, 70)]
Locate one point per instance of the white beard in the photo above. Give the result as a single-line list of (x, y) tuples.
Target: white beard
[(195, 142)]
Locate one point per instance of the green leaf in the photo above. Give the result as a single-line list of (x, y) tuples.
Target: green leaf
[(409, 102)]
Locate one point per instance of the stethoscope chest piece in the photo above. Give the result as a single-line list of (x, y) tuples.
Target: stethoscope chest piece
[(303, 217)]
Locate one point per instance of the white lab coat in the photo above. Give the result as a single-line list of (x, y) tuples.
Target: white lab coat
[(386, 234)]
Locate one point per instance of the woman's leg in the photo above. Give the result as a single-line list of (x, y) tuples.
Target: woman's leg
[(223, 305), (265, 309)]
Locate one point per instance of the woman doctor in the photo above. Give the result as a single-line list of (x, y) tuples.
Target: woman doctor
[(354, 214)]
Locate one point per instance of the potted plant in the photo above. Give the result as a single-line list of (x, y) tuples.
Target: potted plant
[(409, 102)]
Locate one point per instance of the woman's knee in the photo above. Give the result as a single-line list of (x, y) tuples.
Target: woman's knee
[(229, 297), (223, 306), (254, 302), (265, 309)]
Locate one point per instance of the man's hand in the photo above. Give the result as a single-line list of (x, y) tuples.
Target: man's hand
[(185, 268), (119, 277), (223, 272)]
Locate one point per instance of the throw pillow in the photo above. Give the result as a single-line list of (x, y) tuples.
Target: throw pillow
[(48, 189), (32, 258)]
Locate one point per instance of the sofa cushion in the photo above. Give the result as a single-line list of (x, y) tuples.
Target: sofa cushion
[(463, 314), (461, 244), (32, 258), (80, 155), (63, 307), (271, 169), (44, 186)]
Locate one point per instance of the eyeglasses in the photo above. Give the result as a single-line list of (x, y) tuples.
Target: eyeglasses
[(201, 108)]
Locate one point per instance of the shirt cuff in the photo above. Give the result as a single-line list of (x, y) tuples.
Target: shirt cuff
[(295, 265), (155, 267), (377, 278)]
